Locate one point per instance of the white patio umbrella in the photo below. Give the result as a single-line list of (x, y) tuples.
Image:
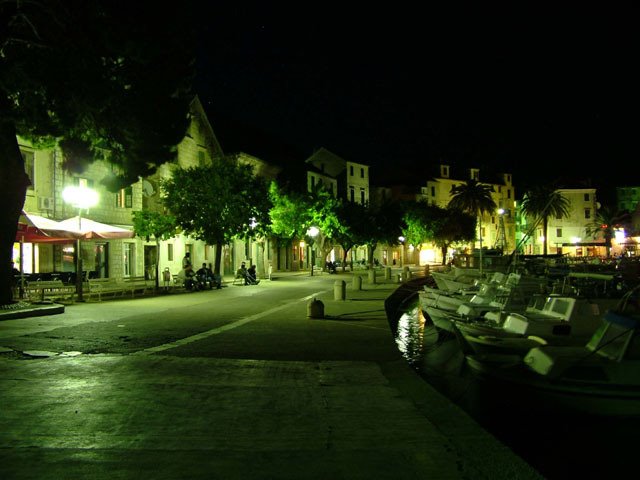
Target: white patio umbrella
[(86, 229)]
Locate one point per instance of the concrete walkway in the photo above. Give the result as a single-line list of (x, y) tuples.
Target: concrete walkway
[(268, 394)]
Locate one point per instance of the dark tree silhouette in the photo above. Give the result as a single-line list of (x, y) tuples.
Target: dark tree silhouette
[(102, 80)]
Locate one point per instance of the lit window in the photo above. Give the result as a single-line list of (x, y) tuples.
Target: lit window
[(124, 198), (170, 252)]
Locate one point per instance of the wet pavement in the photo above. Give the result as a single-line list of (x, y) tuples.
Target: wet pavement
[(235, 383)]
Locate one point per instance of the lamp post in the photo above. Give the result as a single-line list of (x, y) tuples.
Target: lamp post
[(401, 239), (312, 233), (80, 198)]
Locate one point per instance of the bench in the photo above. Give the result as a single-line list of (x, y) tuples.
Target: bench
[(103, 286), (49, 289), (137, 284), (111, 286)]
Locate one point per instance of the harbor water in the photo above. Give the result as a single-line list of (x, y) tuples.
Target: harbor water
[(559, 445)]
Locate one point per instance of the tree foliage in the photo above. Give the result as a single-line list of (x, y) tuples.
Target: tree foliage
[(293, 213), (380, 224), (150, 224), (442, 226), (606, 222), (100, 79), (218, 203), (542, 202)]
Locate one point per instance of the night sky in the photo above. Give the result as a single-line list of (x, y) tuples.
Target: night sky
[(547, 95)]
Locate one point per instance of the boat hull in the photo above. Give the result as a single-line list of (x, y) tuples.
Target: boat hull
[(569, 394)]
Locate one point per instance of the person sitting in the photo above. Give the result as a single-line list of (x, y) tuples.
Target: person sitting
[(205, 276), (186, 265), (216, 279), (251, 276), (242, 273)]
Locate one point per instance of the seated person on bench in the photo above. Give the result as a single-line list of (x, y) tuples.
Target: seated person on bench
[(251, 276)]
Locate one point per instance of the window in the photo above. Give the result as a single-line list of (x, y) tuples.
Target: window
[(586, 197), (29, 166), (508, 193), (170, 252), (201, 158), (352, 194), (558, 233), (124, 198), (433, 191), (362, 198), (351, 170), (313, 181), (362, 173), (587, 213), (83, 182)]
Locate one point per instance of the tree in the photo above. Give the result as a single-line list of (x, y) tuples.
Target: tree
[(541, 202), (442, 226), (293, 213), (96, 79), (380, 224), (452, 227), (218, 203), (350, 214), (606, 222), (159, 226), (475, 198)]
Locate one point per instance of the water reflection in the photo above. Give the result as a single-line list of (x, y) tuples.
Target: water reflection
[(557, 445)]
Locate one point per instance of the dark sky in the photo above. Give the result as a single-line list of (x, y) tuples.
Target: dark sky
[(542, 93)]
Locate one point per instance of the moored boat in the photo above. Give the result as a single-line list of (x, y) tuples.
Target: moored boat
[(600, 378)]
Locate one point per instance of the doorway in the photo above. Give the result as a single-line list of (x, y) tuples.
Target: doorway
[(150, 256)]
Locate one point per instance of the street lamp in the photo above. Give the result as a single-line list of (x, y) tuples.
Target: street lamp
[(401, 239), (312, 233), (80, 198)]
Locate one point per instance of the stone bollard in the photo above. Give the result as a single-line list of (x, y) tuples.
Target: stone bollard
[(372, 277), (315, 309), (387, 273), (427, 270), (406, 274), (357, 282), (339, 290)]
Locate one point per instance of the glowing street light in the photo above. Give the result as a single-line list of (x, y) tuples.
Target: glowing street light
[(312, 233), (401, 239), (81, 198)]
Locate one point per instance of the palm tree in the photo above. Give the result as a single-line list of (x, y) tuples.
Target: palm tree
[(475, 198), (606, 221), (541, 202)]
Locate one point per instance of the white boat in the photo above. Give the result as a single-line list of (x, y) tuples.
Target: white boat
[(512, 294), (600, 378), (456, 278), (561, 320)]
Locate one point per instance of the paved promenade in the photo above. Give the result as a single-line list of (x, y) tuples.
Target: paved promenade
[(260, 391)]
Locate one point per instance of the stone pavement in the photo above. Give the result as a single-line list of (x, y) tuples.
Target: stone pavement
[(269, 394)]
